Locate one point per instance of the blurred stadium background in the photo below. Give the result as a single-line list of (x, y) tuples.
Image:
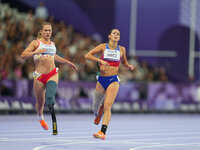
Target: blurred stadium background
[(161, 37)]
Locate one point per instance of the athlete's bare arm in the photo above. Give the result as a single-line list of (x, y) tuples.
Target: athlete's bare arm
[(96, 50), (124, 60), (31, 50), (63, 60)]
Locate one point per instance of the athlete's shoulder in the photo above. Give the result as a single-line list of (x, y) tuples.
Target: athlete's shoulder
[(102, 45), (52, 42), (35, 43)]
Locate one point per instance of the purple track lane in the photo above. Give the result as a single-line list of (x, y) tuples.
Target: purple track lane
[(125, 132)]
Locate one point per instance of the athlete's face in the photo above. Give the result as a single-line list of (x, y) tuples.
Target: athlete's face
[(114, 35), (46, 31)]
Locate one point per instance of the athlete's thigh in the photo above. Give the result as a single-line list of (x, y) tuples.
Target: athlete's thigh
[(99, 88), (39, 89), (111, 93)]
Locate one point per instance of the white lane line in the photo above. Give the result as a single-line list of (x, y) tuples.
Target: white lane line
[(64, 139), (161, 133), (164, 145), (70, 142), (53, 145), (63, 132), (129, 135), (159, 139), (3, 139), (72, 139), (34, 140), (88, 142), (81, 130)]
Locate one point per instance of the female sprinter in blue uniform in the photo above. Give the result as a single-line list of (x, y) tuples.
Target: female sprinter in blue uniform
[(108, 82), (43, 51)]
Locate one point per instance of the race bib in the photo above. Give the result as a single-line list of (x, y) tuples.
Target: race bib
[(113, 55)]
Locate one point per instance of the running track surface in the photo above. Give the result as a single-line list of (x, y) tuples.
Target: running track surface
[(126, 132)]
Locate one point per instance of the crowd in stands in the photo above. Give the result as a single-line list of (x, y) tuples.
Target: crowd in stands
[(18, 29)]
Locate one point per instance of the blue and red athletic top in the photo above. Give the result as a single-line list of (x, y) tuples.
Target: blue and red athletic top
[(112, 56)]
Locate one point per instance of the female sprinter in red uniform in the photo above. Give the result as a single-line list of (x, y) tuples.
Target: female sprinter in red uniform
[(108, 81), (43, 51)]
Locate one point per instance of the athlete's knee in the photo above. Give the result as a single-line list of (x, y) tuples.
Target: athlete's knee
[(107, 106), (51, 87), (39, 100)]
